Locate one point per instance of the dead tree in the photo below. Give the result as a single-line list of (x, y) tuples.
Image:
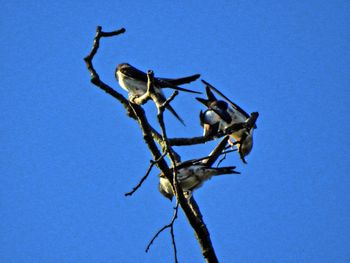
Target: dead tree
[(160, 146)]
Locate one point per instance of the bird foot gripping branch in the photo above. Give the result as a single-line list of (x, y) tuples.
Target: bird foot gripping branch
[(226, 117)]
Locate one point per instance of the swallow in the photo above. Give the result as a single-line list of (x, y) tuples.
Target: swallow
[(221, 115), (134, 81), (192, 174)]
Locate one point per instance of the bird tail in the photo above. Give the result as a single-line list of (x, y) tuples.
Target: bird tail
[(182, 89), (204, 101), (183, 80), (171, 109), (225, 170), (174, 83), (210, 96)]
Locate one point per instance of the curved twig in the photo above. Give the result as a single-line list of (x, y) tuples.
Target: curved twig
[(171, 226), (152, 163)]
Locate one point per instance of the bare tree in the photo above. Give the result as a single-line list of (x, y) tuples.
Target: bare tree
[(160, 146)]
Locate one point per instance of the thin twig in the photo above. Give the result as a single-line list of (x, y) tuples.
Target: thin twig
[(221, 160), (152, 163), (174, 157), (171, 226), (173, 240)]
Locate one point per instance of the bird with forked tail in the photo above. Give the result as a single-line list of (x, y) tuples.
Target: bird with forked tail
[(192, 177), (221, 115), (134, 81), (192, 174)]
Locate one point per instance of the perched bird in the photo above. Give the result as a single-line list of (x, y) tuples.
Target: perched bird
[(193, 173), (134, 81), (221, 115), (192, 177)]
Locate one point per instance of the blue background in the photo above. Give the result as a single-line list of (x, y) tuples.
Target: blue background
[(69, 153)]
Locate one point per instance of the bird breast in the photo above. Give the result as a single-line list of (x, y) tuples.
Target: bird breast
[(211, 117), (133, 86)]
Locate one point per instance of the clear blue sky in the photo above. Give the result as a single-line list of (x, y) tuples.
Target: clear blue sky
[(69, 153)]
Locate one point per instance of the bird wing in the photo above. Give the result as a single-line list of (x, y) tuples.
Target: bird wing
[(171, 109), (174, 83), (180, 81), (133, 72), (208, 161), (223, 114), (165, 84), (189, 163), (214, 155), (181, 89), (234, 105)]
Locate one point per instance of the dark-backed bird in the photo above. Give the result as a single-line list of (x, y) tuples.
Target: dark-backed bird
[(221, 115), (134, 81), (192, 174)]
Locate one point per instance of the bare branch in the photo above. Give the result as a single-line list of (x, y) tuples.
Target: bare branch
[(171, 226), (141, 99), (190, 141), (95, 79), (196, 222), (151, 136), (221, 160), (201, 139), (152, 163)]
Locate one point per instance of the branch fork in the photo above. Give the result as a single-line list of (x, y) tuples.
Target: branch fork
[(151, 138)]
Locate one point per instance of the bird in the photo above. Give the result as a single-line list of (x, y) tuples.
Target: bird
[(220, 115), (134, 81), (192, 174), (192, 177)]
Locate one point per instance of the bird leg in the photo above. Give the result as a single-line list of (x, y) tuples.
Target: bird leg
[(139, 100), (232, 143)]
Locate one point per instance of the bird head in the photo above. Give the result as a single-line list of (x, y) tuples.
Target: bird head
[(164, 193), (123, 68), (245, 146)]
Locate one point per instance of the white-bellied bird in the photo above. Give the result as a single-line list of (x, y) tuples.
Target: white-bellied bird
[(192, 174), (223, 114), (134, 81)]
